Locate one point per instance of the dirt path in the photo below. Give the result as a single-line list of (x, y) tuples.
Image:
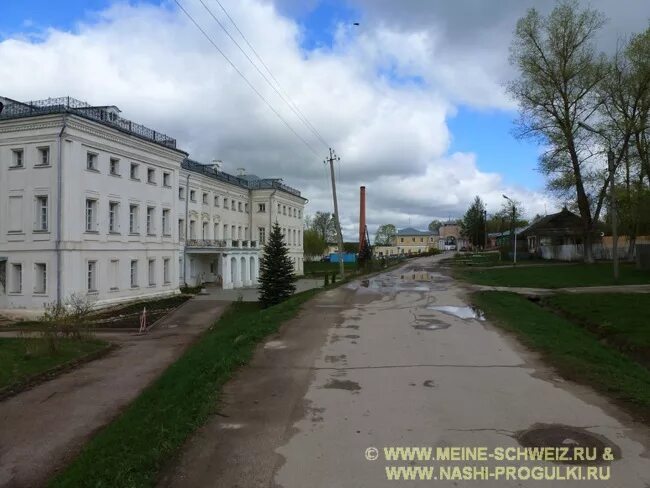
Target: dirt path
[(42, 429), (375, 364)]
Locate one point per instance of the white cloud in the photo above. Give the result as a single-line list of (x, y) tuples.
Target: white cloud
[(153, 64)]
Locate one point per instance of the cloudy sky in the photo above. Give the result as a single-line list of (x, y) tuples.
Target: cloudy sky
[(412, 99)]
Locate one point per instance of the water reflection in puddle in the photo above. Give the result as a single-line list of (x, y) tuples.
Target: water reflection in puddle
[(411, 280), (460, 312)]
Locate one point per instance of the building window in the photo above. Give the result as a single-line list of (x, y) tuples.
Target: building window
[(216, 201), (181, 193), (239, 206), (239, 236), (17, 158), (204, 231), (40, 278), (232, 205), (193, 195), (91, 215), (233, 232), (114, 167), (16, 278), (151, 272), (43, 156), (133, 219), (134, 273), (41, 213), (205, 198), (134, 172), (91, 161), (166, 271), (165, 222), (151, 176), (261, 207), (114, 274), (113, 216), (216, 231), (225, 231), (151, 228), (167, 180), (284, 210), (91, 278), (279, 209), (246, 207), (262, 234), (225, 203), (192, 229), (299, 213), (181, 229)]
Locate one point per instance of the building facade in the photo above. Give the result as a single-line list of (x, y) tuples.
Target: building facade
[(408, 241), (97, 205)]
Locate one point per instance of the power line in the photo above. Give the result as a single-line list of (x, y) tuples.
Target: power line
[(288, 99), (246, 79)]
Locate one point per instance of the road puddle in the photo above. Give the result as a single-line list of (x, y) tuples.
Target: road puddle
[(460, 312), (416, 280)]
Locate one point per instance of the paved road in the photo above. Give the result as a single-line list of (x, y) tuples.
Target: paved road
[(44, 428), (372, 364)]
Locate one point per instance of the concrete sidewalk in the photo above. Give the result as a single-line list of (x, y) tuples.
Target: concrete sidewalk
[(45, 428), (576, 289)]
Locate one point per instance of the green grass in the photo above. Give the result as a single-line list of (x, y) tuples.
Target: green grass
[(622, 319), (131, 450), (23, 358), (555, 276), (574, 351), (311, 267)]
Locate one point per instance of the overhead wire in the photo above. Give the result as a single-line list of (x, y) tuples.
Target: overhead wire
[(252, 87), (280, 89)]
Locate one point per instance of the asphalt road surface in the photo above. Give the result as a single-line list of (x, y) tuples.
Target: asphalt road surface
[(374, 365)]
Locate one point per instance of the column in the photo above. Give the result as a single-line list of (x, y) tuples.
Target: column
[(225, 270)]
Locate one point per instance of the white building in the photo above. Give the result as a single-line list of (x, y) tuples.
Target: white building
[(95, 204)]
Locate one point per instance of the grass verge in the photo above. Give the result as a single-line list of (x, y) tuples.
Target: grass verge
[(620, 319), (552, 276), (22, 359), (132, 450), (574, 351)]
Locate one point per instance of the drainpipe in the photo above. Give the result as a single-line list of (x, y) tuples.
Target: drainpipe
[(271, 211), (59, 210), (187, 223)]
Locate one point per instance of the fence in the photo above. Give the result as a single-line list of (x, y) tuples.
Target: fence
[(575, 252)]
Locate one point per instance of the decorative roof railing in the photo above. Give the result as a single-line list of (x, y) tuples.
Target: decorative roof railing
[(249, 184), (104, 115)]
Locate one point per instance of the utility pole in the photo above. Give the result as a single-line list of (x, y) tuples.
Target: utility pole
[(613, 210), (333, 157), (513, 226), (485, 230)]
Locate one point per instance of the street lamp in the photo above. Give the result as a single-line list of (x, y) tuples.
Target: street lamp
[(612, 196), (514, 228)]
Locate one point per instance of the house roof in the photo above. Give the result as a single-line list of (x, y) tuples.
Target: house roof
[(410, 231), (563, 222)]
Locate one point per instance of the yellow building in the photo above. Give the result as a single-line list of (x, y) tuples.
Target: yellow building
[(409, 241)]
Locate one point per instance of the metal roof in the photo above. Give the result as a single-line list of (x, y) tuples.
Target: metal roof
[(410, 231)]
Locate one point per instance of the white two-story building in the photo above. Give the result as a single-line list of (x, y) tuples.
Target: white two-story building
[(94, 204)]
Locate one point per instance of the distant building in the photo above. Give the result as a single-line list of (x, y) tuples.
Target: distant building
[(408, 241)]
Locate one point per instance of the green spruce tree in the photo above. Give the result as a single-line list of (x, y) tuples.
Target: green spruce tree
[(276, 270)]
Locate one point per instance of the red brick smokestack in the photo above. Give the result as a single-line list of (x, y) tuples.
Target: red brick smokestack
[(362, 217)]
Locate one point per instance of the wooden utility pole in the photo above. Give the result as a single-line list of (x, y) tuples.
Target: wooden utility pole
[(333, 157)]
